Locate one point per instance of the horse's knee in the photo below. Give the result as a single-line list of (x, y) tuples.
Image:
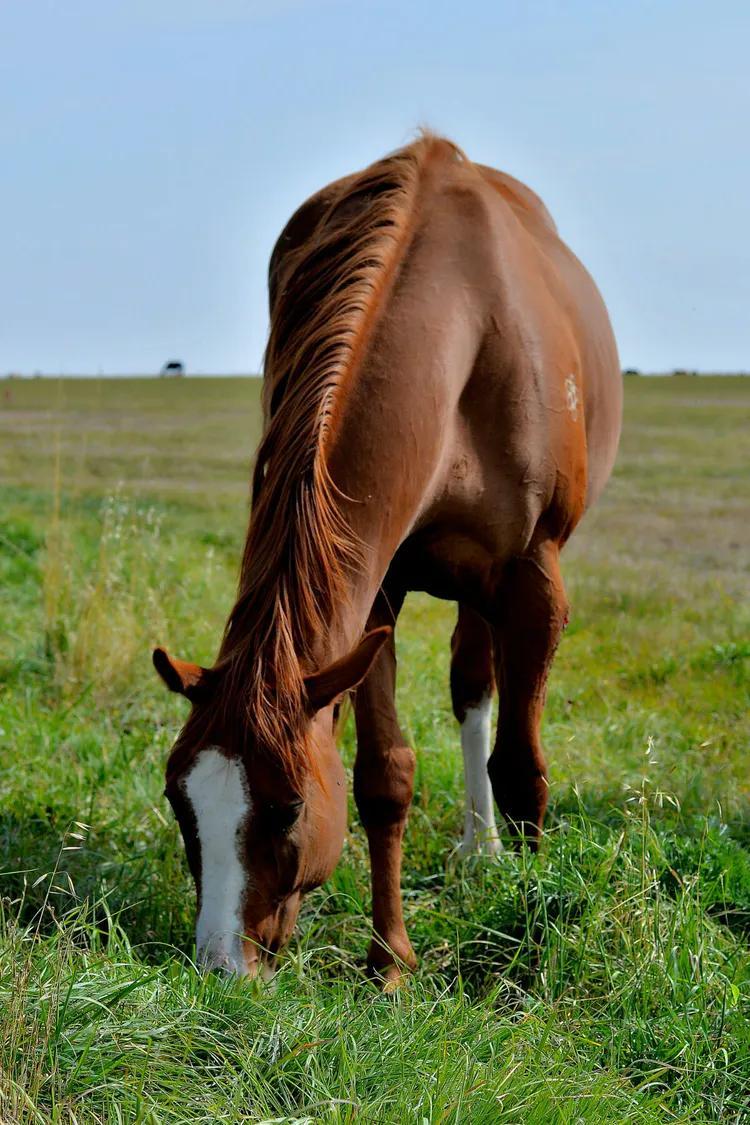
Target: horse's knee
[(384, 785)]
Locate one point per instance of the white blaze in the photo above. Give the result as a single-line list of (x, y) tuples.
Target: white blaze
[(480, 833), (217, 790)]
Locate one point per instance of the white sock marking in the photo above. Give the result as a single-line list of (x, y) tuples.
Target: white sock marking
[(217, 790), (480, 833)]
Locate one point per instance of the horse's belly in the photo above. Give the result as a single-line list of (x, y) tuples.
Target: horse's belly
[(460, 545)]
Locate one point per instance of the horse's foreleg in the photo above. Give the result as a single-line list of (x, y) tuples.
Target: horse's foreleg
[(472, 684), (383, 786), (532, 612)]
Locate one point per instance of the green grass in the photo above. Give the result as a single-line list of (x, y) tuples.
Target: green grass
[(606, 980)]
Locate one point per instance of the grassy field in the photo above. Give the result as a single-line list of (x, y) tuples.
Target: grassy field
[(606, 980)]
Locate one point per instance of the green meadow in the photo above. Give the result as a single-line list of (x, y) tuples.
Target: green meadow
[(605, 980)]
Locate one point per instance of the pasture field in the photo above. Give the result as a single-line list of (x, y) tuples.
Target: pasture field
[(606, 980)]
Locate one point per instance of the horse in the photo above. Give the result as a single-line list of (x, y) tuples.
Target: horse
[(442, 403)]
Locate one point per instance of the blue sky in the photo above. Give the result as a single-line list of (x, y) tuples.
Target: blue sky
[(152, 150)]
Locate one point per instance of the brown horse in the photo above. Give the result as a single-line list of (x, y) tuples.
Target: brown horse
[(442, 403)]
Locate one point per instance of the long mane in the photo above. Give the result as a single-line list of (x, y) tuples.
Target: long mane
[(300, 550)]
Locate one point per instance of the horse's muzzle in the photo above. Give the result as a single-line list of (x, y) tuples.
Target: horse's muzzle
[(236, 958)]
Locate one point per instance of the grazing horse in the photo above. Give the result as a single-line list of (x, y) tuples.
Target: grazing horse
[(442, 403)]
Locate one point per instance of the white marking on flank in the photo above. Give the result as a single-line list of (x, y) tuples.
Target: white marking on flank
[(480, 833), (571, 396), (217, 789)]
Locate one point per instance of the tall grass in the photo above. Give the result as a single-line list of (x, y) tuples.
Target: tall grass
[(590, 986), (100, 614)]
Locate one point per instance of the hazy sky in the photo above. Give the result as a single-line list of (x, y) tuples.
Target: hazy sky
[(151, 151)]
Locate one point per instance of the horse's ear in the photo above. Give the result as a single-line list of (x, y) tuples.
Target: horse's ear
[(344, 674), (190, 680)]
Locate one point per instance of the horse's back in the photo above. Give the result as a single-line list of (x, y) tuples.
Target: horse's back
[(520, 198), (497, 326)]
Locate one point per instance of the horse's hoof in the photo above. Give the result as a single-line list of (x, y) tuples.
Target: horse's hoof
[(393, 979), (390, 968), (390, 978)]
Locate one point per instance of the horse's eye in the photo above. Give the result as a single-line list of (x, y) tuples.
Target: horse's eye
[(282, 818)]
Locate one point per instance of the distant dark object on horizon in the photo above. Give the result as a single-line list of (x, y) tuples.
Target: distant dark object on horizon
[(631, 371), (172, 367)]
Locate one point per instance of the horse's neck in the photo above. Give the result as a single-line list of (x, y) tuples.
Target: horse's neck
[(388, 448)]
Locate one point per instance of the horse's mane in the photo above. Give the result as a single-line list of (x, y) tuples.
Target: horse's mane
[(299, 547)]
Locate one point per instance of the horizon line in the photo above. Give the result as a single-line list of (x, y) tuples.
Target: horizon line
[(12, 376)]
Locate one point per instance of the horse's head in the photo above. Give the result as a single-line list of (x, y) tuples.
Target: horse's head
[(257, 834)]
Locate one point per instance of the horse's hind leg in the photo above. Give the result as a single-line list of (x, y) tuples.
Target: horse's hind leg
[(383, 786), (472, 683), (532, 614)]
